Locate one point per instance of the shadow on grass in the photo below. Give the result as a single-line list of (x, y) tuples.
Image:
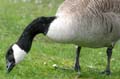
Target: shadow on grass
[(89, 73)]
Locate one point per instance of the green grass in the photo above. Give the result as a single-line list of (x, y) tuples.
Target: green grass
[(14, 16)]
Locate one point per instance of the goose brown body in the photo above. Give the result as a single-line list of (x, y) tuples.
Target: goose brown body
[(87, 23)]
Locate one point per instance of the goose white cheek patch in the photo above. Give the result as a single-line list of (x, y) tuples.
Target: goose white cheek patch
[(19, 54)]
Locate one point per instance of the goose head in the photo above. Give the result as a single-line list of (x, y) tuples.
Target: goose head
[(13, 56)]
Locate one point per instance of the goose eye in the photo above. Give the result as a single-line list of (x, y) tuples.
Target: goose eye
[(10, 51)]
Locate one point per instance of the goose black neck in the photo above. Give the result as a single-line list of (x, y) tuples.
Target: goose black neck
[(39, 25)]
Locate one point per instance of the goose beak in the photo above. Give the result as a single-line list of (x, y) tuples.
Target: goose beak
[(10, 66)]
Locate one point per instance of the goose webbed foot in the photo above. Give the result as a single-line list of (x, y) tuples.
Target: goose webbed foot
[(77, 68), (106, 72)]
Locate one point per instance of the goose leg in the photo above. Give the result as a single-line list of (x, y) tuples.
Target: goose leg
[(109, 54), (77, 66)]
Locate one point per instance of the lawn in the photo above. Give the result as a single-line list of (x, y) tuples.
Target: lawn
[(15, 15)]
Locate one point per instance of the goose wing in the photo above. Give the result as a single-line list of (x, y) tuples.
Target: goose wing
[(104, 6)]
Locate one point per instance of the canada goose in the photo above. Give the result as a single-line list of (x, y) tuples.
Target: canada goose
[(85, 23)]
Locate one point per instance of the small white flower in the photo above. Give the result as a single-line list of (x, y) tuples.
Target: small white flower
[(44, 63), (54, 65)]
